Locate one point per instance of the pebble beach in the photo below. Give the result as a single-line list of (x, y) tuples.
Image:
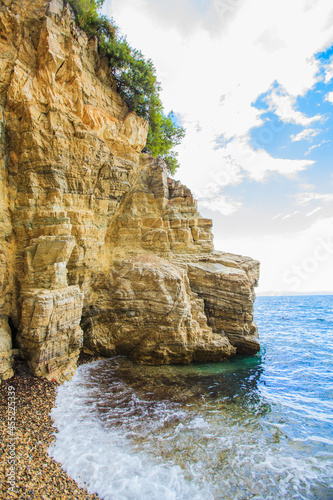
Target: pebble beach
[(27, 472)]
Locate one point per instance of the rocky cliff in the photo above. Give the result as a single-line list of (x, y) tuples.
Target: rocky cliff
[(98, 247)]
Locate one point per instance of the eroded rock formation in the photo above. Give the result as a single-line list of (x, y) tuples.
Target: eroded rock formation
[(97, 245)]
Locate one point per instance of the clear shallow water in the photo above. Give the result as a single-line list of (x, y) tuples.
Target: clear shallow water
[(249, 428)]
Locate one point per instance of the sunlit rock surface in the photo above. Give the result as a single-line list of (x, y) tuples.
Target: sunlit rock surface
[(97, 245)]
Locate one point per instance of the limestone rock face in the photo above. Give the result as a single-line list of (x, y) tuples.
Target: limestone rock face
[(145, 308), (225, 285), (6, 358), (50, 334), (97, 245)]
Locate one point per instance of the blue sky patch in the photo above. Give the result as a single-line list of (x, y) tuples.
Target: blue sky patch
[(285, 140)]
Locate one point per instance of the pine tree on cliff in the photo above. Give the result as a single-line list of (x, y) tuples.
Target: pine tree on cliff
[(136, 81)]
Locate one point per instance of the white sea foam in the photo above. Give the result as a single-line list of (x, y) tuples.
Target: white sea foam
[(124, 446), (102, 460), (253, 429)]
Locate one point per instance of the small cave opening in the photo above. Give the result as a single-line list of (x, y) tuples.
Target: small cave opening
[(14, 332)]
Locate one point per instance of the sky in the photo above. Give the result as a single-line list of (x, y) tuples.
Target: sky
[(252, 83)]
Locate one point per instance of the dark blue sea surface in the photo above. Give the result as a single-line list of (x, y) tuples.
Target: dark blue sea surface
[(248, 428)]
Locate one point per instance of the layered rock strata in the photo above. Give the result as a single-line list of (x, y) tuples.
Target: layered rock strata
[(97, 245)]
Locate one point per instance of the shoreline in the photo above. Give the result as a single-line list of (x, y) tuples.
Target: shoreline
[(27, 471)]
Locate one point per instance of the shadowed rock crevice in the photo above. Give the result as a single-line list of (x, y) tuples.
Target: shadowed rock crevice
[(13, 332), (98, 247)]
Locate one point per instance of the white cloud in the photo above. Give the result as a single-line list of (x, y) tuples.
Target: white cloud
[(285, 259), (307, 187), (223, 204), (207, 170), (258, 163), (185, 16), (314, 211), (315, 146), (283, 104), (329, 72), (239, 50), (329, 96), (306, 197), (305, 134), (290, 215), (271, 40), (196, 67)]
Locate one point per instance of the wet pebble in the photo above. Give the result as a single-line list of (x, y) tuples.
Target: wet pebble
[(37, 476)]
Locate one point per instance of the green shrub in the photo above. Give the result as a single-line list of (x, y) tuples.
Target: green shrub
[(136, 81)]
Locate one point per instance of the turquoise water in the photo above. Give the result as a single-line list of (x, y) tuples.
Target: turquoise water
[(249, 428)]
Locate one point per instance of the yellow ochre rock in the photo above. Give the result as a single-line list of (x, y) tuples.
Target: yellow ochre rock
[(98, 247)]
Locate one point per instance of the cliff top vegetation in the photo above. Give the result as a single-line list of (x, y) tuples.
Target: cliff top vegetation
[(136, 80)]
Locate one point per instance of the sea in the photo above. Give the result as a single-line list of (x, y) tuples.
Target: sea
[(256, 427)]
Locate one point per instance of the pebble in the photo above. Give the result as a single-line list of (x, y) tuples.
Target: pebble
[(37, 476)]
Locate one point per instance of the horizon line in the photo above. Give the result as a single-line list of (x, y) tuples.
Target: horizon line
[(292, 293)]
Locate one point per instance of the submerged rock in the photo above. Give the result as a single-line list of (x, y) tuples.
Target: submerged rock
[(97, 245)]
